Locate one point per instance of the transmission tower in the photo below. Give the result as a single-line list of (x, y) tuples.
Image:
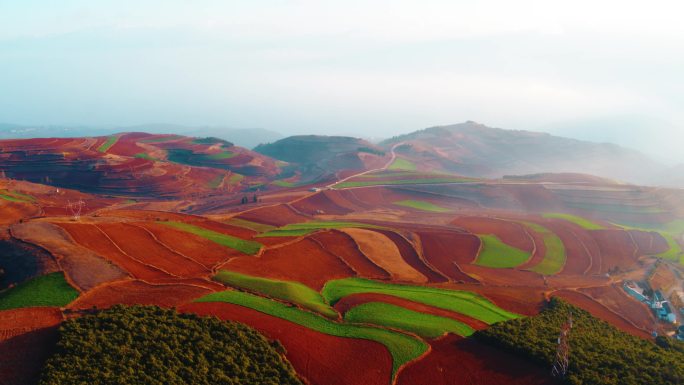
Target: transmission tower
[(75, 208), (560, 366)]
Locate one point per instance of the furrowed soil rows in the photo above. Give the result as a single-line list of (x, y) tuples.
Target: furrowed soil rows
[(510, 233), (278, 215), (303, 261), (447, 250), (411, 257), (320, 358), (343, 246)]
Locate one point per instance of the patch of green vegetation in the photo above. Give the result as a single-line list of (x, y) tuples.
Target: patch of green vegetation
[(104, 147), (397, 317), (397, 174), (402, 347), (555, 256), (130, 201), (300, 229), (371, 151), (283, 183), (669, 231), (161, 139), (366, 183), (600, 354), (289, 291), (258, 227), (235, 178), (142, 155), (245, 246), (16, 196), (497, 254), (47, 290), (222, 155), (402, 164), (150, 345), (216, 182), (422, 205), (191, 158), (580, 221), (459, 301), (210, 141)]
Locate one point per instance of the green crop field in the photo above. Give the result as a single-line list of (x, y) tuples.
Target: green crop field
[(495, 253), (580, 221), (669, 231), (235, 178), (216, 182), (222, 155), (464, 302), (142, 155), (104, 147), (245, 246), (299, 229), (422, 205), (258, 227), (16, 196), (402, 347), (555, 256), (366, 183), (397, 317), (161, 139), (402, 164), (616, 208), (47, 290), (293, 292)]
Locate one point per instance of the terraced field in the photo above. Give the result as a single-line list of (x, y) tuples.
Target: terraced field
[(555, 256), (245, 246), (497, 254), (47, 290), (580, 221), (422, 205), (299, 229)]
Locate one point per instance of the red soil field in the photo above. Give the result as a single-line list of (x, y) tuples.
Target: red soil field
[(662, 278), (350, 301), (143, 246), (447, 250), (649, 243), (600, 311), (92, 238), (503, 277), (578, 246), (27, 338), (344, 247), (525, 300), (320, 203), (199, 249), (320, 358), (149, 215), (509, 232), (409, 254), (458, 361), (617, 249), (614, 298), (303, 261), (138, 293), (224, 228), (278, 215)]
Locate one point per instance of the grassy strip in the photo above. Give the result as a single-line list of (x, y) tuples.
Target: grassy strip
[(299, 229), (616, 208), (47, 290), (216, 182), (580, 221), (161, 139), (104, 147), (402, 164), (366, 183), (402, 347), (397, 317), (555, 256), (422, 205), (288, 291), (222, 155), (245, 246), (497, 254), (258, 227), (464, 302), (235, 178), (16, 196), (142, 155)]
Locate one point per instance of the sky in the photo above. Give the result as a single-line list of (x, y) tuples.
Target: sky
[(601, 70)]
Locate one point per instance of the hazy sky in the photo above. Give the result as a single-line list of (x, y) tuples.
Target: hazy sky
[(601, 70)]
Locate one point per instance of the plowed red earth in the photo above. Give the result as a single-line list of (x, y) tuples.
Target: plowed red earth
[(138, 293), (91, 237), (649, 243), (320, 203), (503, 277), (343, 246), (447, 250), (411, 257), (579, 255), (278, 215), (303, 261), (457, 361), (199, 249), (615, 299), (223, 228), (618, 250), (350, 301), (600, 311), (27, 338), (320, 358), (511, 233), (143, 246)]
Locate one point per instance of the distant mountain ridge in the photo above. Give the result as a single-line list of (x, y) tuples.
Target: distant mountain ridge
[(473, 149)]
